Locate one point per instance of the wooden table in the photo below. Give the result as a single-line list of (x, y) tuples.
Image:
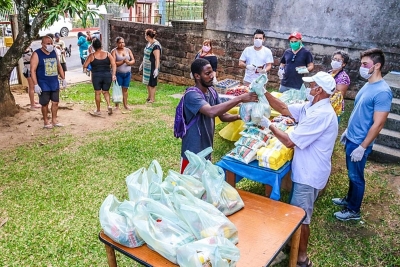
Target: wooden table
[(264, 227)]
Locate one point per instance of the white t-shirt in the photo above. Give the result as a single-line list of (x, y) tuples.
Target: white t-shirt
[(314, 138), (258, 58)]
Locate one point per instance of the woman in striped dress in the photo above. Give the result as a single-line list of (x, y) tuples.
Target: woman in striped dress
[(151, 64)]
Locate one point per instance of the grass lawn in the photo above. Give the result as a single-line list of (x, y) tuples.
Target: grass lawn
[(51, 191)]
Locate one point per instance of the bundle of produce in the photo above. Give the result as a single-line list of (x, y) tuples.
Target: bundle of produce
[(212, 251)]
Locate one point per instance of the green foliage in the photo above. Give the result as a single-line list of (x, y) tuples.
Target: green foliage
[(5, 5)]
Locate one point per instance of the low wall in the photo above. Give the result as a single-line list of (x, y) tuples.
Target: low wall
[(181, 42)]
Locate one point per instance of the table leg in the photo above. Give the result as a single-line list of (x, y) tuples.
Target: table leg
[(294, 247), (267, 190), (230, 178), (112, 261)]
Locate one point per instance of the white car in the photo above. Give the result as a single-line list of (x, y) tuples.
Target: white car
[(62, 26)]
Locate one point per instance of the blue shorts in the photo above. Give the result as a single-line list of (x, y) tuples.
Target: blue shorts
[(123, 79)]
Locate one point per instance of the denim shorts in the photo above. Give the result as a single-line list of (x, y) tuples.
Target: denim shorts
[(123, 79), (304, 196)]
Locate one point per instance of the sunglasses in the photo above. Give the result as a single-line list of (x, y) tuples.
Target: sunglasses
[(294, 57)]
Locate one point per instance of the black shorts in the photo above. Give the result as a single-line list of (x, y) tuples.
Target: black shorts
[(101, 81), (46, 96), (64, 66)]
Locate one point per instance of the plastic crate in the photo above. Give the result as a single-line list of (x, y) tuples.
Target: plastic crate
[(223, 85)]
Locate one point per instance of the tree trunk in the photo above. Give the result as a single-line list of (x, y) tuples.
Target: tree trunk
[(7, 101)]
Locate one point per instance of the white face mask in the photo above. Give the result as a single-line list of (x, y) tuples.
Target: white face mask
[(258, 42), (49, 48), (336, 65), (309, 96), (364, 72)]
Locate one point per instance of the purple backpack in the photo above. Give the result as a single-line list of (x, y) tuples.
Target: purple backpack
[(180, 126)]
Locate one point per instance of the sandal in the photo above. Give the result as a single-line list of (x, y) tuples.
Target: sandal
[(95, 113), (306, 263), (48, 126), (109, 110)]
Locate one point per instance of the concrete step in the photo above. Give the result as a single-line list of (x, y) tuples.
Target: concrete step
[(393, 80), (393, 122), (385, 154), (395, 108), (388, 138)]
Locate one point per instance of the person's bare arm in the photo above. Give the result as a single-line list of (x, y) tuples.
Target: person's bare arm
[(132, 61), (342, 88), (221, 109), (118, 63), (157, 58), (242, 64), (268, 67), (278, 105), (310, 66), (88, 60), (113, 66), (379, 121), (282, 136), (34, 63), (60, 70)]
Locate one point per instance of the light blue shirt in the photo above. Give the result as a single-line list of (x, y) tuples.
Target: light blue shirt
[(314, 138), (372, 97)]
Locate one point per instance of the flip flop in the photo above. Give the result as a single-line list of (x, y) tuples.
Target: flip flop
[(95, 113), (109, 110), (48, 126), (306, 263), (58, 124)]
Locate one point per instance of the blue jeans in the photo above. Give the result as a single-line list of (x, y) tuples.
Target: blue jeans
[(356, 177)]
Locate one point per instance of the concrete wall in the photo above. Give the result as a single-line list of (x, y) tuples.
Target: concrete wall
[(352, 26)]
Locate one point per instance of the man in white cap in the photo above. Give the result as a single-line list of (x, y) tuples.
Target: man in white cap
[(313, 140)]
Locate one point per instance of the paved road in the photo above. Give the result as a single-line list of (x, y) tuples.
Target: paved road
[(74, 61)]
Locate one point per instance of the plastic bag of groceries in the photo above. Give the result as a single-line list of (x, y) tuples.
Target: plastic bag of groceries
[(197, 162), (116, 219), (218, 192), (161, 228), (294, 96), (252, 112), (203, 218), (159, 194), (139, 181), (174, 179), (213, 251)]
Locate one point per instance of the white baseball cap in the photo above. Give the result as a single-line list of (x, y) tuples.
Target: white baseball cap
[(323, 79)]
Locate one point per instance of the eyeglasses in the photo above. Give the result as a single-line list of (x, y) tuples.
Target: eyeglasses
[(294, 57)]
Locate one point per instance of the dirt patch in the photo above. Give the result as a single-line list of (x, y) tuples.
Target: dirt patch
[(27, 125)]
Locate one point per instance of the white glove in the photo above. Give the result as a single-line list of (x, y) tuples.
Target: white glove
[(64, 83), (281, 72), (357, 154), (141, 67), (343, 138), (265, 122), (155, 73), (215, 81), (251, 67), (38, 90)]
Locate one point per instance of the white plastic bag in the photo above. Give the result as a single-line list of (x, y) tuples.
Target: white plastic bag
[(117, 93), (116, 219), (203, 218), (218, 192), (174, 179), (138, 184), (213, 251), (161, 228), (197, 162)]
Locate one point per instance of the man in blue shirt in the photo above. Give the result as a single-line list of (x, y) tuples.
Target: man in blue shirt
[(371, 109)]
